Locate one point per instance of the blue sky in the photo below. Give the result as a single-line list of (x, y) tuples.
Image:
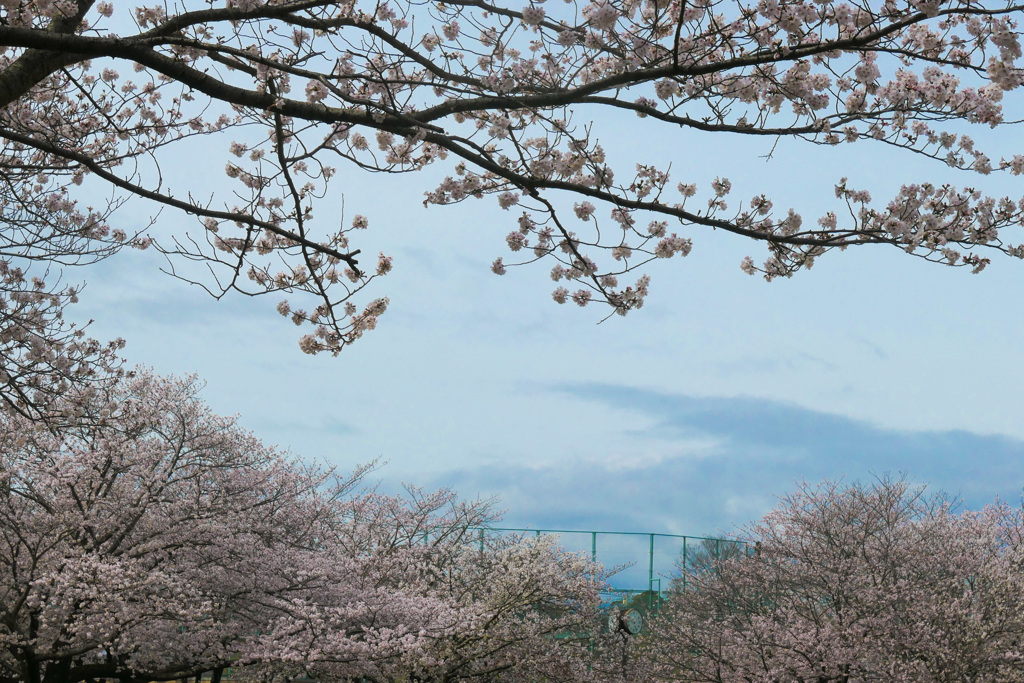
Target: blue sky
[(687, 416)]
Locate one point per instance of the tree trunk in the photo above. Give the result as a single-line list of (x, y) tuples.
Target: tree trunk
[(58, 671), (32, 673)]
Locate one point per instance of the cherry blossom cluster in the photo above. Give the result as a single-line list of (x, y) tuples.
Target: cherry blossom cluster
[(44, 355), (293, 93)]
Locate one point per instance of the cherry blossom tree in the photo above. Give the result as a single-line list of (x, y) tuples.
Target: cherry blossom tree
[(855, 583), (94, 99), (152, 540)]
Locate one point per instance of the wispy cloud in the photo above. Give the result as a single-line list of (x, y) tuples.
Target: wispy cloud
[(754, 450)]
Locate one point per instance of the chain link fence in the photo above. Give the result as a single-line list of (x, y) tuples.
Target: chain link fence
[(644, 563)]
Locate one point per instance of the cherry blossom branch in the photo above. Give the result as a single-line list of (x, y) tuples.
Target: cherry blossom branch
[(166, 200)]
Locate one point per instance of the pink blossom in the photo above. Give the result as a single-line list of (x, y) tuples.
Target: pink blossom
[(430, 42), (508, 199), (533, 15), (451, 30), (315, 91), (621, 253), (584, 210), (657, 228), (567, 38), (602, 15), (581, 297), (672, 245), (516, 240), (666, 88)]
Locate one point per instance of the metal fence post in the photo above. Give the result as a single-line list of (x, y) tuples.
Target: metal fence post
[(684, 563), (650, 570)]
